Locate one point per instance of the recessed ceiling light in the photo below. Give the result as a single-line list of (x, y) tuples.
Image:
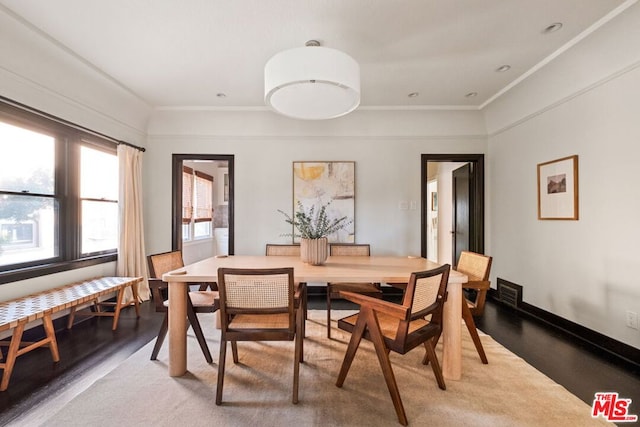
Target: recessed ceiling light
[(221, 95), (413, 94), (471, 94), (503, 68), (552, 28)]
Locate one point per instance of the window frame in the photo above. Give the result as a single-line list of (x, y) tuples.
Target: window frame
[(192, 206), (68, 140), (89, 143)]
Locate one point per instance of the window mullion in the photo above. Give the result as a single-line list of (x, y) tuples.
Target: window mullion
[(70, 214)]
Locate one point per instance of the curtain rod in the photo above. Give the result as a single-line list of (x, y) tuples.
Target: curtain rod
[(66, 122)]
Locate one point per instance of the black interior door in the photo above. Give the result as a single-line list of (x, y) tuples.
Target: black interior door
[(475, 203), (462, 202), (176, 195)]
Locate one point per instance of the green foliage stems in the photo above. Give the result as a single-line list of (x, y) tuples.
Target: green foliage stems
[(312, 225)]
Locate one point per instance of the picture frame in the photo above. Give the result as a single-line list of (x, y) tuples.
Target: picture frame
[(223, 186), (434, 201), (558, 189), (316, 183)]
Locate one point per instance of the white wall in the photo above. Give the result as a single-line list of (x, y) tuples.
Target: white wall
[(385, 146), (584, 103), (36, 72)]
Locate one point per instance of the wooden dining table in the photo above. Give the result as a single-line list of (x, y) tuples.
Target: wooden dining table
[(352, 269)]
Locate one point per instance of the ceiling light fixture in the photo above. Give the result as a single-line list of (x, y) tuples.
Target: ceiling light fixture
[(413, 95), (312, 82), (552, 28), (471, 94), (503, 68)]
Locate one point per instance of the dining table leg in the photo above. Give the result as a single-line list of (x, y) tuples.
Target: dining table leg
[(177, 328), (452, 333)]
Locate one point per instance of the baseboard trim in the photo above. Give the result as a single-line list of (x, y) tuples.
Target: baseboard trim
[(623, 354)]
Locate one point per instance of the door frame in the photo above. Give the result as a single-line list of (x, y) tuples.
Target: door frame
[(476, 217), (176, 195)]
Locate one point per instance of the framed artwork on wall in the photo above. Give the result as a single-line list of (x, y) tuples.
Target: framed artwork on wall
[(223, 186), (558, 189), (318, 183)]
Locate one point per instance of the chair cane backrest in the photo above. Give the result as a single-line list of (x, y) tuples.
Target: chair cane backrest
[(164, 262), (474, 264), (426, 293), (256, 291), (282, 250), (477, 267), (349, 249), (160, 264)]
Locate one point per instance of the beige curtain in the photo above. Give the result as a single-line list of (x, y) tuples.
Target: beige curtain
[(131, 251)]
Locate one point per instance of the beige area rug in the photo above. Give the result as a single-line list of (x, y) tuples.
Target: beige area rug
[(257, 392)]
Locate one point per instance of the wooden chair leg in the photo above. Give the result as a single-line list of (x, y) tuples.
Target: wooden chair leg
[(162, 333), (352, 348), (473, 331), (221, 362), (234, 351), (296, 363), (436, 338), (385, 364), (328, 311), (300, 319), (197, 329), (12, 354), (435, 365)]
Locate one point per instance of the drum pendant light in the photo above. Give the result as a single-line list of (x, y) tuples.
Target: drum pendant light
[(312, 83)]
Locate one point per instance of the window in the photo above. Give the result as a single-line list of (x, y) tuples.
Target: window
[(58, 196), (99, 194), (197, 204), (28, 205)]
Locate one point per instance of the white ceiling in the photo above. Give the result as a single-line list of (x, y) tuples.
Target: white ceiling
[(183, 53)]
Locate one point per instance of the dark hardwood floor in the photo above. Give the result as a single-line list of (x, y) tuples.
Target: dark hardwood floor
[(91, 349)]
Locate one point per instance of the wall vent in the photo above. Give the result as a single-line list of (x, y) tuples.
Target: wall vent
[(509, 293)]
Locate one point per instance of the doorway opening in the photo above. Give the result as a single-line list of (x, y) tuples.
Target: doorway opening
[(452, 205), (202, 205)]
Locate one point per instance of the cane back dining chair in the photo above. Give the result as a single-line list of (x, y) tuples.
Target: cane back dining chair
[(477, 268), (333, 289), (259, 305), (201, 301), (293, 249), (276, 249), (399, 327)]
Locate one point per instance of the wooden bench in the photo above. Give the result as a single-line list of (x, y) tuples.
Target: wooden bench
[(17, 313)]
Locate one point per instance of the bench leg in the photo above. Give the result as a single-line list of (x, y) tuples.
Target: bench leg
[(12, 353), (136, 301), (51, 336), (116, 315), (72, 315)]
